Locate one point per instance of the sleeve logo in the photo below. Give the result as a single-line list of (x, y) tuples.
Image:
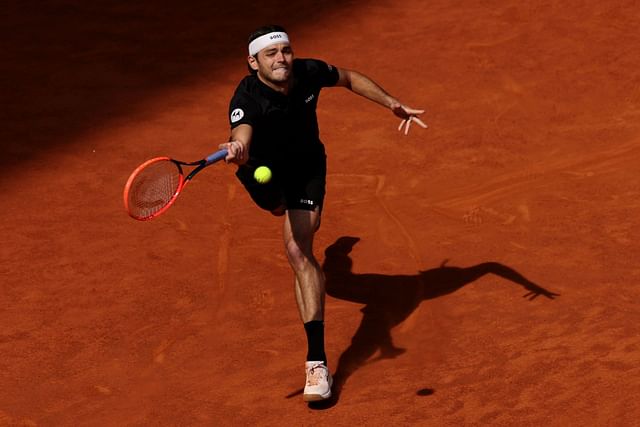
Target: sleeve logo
[(236, 115)]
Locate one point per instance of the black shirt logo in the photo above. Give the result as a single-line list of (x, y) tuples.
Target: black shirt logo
[(236, 115)]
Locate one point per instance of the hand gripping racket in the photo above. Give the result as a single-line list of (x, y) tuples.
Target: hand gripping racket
[(155, 185)]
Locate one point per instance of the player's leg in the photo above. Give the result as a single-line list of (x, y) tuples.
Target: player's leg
[(304, 192), (299, 229)]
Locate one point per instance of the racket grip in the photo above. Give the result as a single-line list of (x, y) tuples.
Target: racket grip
[(217, 156)]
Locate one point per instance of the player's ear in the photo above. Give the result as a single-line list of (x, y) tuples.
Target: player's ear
[(253, 63)]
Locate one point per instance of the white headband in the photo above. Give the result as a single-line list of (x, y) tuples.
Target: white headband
[(267, 40)]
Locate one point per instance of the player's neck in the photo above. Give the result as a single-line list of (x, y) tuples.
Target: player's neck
[(282, 88)]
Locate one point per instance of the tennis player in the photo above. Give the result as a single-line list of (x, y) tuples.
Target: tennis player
[(273, 123)]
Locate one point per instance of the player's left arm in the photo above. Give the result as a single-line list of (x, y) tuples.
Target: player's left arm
[(364, 86)]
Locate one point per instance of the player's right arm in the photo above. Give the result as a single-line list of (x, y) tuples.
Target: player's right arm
[(238, 145)]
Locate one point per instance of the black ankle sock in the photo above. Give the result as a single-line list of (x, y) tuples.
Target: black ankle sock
[(315, 341)]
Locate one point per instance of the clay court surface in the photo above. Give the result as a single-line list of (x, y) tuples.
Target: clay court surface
[(481, 272)]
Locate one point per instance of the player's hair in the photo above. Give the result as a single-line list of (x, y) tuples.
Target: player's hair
[(265, 29)]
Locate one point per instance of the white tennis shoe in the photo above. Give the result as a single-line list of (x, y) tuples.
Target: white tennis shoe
[(319, 381)]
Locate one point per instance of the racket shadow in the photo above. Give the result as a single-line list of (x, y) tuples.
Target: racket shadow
[(389, 300)]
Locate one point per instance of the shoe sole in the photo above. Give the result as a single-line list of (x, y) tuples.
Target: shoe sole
[(318, 397), (315, 397)]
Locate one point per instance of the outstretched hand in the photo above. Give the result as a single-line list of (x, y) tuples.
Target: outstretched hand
[(407, 115)]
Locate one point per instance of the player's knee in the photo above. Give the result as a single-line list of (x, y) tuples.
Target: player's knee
[(298, 257), (294, 252)]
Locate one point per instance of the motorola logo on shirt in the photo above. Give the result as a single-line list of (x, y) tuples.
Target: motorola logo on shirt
[(236, 115)]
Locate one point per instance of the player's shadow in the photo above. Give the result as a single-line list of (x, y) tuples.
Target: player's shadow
[(389, 300)]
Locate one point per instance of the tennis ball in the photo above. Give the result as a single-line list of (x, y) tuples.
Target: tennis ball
[(262, 174)]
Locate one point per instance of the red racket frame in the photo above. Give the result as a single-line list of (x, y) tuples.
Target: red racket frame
[(182, 180)]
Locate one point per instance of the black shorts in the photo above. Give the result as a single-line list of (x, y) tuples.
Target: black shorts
[(294, 186)]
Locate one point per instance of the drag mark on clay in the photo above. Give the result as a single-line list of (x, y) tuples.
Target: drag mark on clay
[(159, 353), (102, 389), (411, 244), (473, 198), (224, 240), (8, 420), (477, 215), (379, 181), (262, 301)]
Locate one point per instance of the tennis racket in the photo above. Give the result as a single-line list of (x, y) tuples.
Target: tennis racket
[(155, 185)]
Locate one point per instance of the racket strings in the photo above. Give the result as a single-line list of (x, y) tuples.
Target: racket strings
[(153, 188)]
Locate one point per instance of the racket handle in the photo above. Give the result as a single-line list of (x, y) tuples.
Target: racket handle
[(217, 156)]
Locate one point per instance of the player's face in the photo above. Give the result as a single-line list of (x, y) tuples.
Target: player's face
[(273, 63)]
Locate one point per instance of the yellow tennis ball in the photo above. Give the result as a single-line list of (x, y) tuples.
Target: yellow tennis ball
[(262, 174)]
